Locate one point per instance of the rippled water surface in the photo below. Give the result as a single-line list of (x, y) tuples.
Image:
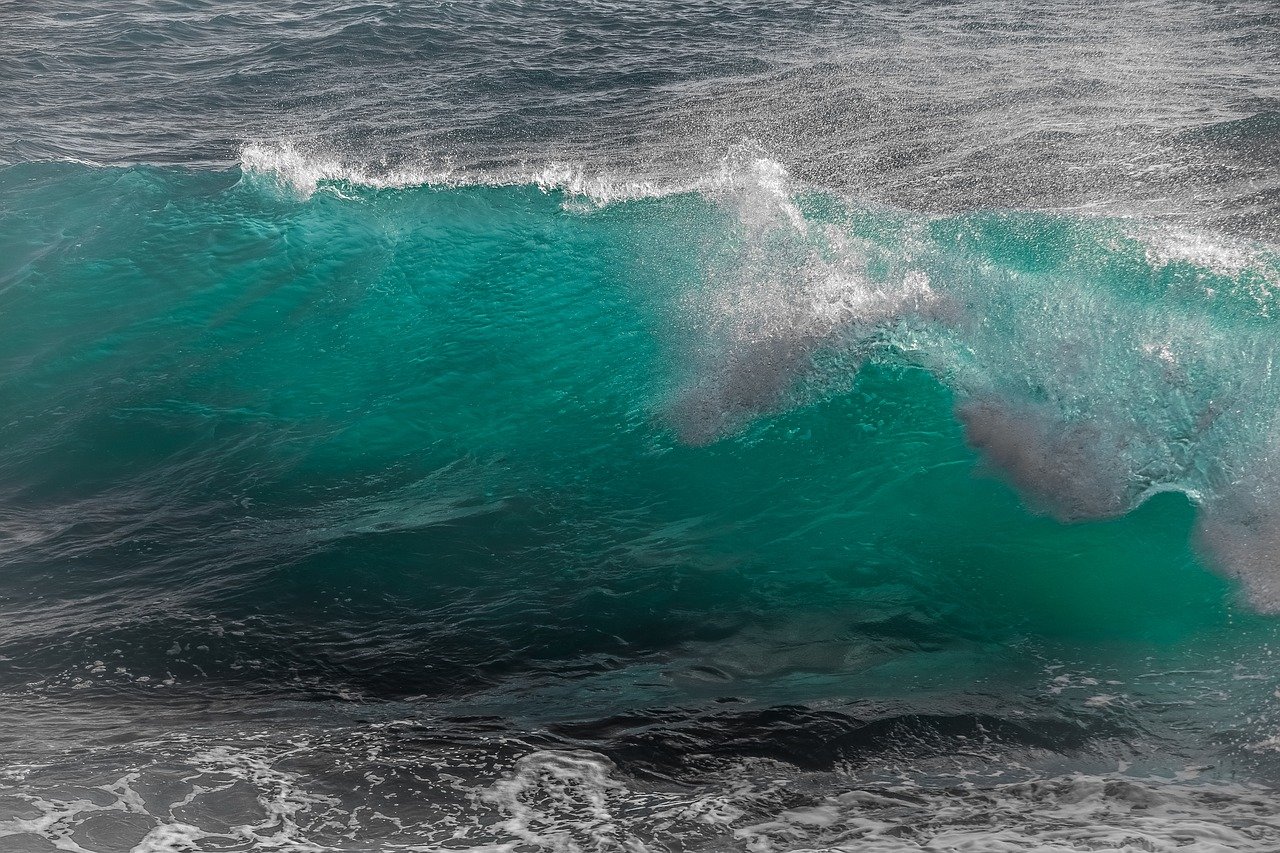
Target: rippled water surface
[(612, 427)]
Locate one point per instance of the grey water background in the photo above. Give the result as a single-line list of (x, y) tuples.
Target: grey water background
[(342, 506), (1165, 107)]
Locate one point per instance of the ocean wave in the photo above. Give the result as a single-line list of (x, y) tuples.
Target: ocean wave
[(591, 427), (1094, 362)]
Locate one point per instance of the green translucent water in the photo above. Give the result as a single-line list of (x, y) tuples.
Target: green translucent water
[(392, 364)]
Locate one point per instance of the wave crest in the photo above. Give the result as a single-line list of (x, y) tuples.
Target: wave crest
[(306, 171)]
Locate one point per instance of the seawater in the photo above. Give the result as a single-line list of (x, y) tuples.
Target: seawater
[(515, 427)]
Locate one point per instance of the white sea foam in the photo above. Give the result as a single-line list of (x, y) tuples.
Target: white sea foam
[(576, 801), (305, 171), (1252, 268), (780, 290), (194, 795), (1216, 253)]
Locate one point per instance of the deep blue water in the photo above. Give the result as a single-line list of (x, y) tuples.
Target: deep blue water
[(590, 427)]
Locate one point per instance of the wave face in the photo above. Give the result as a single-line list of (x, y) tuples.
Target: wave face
[(517, 427)]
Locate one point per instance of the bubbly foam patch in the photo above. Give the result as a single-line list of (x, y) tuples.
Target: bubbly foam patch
[(192, 796)]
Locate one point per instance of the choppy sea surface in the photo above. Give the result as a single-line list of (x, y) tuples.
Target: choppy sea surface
[(599, 426)]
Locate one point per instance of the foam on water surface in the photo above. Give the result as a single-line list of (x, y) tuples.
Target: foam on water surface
[(204, 797)]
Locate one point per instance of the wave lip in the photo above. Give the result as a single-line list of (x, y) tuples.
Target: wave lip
[(306, 171)]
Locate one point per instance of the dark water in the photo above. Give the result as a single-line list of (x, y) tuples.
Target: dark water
[(581, 427)]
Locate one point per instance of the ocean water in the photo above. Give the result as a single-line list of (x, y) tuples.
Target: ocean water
[(590, 426)]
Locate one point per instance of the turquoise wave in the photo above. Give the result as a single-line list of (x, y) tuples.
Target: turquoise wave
[(535, 426)]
